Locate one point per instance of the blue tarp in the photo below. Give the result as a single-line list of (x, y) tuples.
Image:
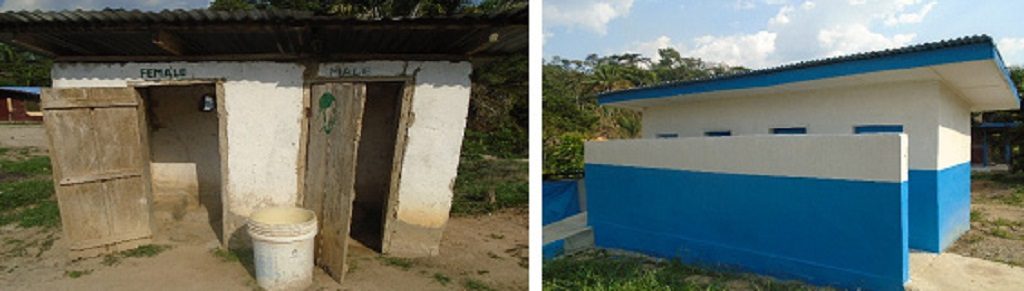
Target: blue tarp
[(561, 200)]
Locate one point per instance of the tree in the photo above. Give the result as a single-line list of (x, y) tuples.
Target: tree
[(23, 68), (572, 115)]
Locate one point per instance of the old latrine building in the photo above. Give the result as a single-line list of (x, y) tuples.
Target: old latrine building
[(357, 119)]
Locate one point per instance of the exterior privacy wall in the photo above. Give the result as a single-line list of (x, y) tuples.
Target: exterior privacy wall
[(935, 119), (262, 115), (776, 205)]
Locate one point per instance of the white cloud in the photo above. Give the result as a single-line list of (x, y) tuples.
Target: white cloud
[(1012, 50), (808, 5), (752, 50), (589, 15), (856, 38), (782, 17), (911, 17), (744, 4), (101, 4)]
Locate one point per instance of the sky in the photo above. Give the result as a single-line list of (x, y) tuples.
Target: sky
[(765, 33)]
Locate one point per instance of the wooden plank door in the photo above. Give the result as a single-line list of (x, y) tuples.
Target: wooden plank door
[(99, 153), (334, 130)]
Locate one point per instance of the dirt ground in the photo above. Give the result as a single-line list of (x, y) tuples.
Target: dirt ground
[(22, 135), (997, 221), (485, 252)]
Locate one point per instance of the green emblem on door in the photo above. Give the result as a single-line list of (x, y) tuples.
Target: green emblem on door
[(326, 101)]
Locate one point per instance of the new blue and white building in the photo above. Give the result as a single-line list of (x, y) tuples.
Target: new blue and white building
[(926, 92)]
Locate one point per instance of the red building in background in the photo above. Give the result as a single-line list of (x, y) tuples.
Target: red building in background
[(20, 104)]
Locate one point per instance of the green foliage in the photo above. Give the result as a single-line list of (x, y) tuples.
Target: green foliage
[(485, 185), (564, 154), (570, 90), (499, 109), (22, 68), (232, 5)]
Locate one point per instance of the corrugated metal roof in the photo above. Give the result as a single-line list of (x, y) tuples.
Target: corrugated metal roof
[(930, 46), (205, 16), (128, 35)]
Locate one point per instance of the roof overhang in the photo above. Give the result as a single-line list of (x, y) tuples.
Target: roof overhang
[(975, 70), (279, 35), (20, 92)]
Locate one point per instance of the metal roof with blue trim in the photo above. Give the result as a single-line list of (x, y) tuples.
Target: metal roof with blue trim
[(972, 65), (19, 92)]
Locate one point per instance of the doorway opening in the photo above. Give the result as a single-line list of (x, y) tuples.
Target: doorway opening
[(382, 119), (184, 150)]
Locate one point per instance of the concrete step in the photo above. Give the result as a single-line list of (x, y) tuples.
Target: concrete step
[(567, 236)]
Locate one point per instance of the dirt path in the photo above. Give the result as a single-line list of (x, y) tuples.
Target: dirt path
[(949, 271), (478, 253)]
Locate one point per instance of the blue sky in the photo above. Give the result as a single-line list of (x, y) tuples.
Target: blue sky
[(764, 33)]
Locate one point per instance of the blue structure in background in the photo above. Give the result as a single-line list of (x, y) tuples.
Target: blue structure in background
[(560, 200)]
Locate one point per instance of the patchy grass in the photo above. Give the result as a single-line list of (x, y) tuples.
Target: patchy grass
[(404, 264), (22, 193), (487, 185), (145, 251), (77, 273), (26, 190), (475, 285), (599, 270), (26, 165), (441, 278)]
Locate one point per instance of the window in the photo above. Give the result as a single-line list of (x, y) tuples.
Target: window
[(667, 135), (789, 130), (861, 129), (718, 133)]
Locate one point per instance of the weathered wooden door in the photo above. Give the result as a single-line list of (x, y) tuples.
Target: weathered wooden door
[(334, 130), (98, 151)]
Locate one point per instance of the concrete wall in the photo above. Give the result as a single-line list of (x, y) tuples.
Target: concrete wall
[(776, 205), (935, 118), (264, 106), (439, 106)]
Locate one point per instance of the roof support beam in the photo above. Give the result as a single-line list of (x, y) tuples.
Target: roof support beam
[(491, 40), (169, 42)]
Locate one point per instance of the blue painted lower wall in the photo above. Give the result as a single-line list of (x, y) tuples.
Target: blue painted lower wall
[(824, 231), (940, 206), (554, 249)]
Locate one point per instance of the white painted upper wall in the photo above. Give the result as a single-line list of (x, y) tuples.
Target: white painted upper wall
[(875, 157), (954, 128), (439, 107), (264, 106), (913, 105)]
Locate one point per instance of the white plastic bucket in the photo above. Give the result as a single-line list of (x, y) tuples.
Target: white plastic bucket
[(282, 239)]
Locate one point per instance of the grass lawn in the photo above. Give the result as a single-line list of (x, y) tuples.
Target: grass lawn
[(997, 219), (605, 270), (488, 184), (26, 189)]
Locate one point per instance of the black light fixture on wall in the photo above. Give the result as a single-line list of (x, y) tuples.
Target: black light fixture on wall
[(208, 103)]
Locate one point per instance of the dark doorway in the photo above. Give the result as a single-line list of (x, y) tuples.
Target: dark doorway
[(375, 160)]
